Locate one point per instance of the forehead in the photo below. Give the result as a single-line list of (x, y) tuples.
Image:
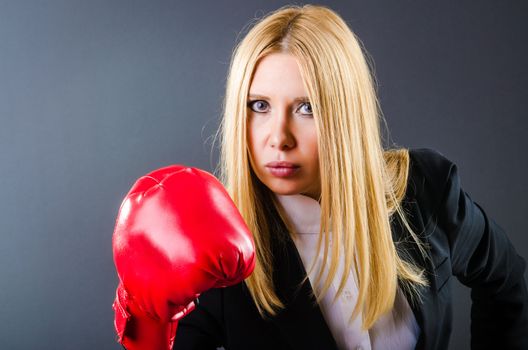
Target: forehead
[(277, 75)]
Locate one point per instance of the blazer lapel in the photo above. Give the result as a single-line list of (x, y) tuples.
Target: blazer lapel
[(409, 251), (301, 322)]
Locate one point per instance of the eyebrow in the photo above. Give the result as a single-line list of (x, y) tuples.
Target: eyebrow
[(297, 99)]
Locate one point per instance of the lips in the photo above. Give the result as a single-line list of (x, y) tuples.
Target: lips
[(283, 170), (282, 165)]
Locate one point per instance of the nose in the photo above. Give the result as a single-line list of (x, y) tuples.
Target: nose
[(281, 136)]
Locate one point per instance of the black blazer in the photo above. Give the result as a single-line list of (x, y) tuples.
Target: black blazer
[(464, 242)]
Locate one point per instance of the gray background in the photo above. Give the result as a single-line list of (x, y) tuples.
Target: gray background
[(94, 94)]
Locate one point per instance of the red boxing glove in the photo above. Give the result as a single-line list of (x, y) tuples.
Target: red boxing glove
[(177, 234)]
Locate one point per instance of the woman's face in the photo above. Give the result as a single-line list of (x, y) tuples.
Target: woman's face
[(281, 128)]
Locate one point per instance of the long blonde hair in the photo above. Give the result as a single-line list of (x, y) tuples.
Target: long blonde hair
[(366, 183)]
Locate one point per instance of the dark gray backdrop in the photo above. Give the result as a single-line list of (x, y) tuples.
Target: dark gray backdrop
[(94, 94)]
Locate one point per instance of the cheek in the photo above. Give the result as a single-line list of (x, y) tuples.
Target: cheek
[(252, 140), (313, 148), (315, 157)]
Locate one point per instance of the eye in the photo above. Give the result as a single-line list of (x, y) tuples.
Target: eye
[(258, 106), (306, 108)]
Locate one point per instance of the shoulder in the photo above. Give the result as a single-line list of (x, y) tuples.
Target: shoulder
[(431, 162), (429, 174)]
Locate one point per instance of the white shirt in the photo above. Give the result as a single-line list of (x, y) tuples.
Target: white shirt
[(395, 330)]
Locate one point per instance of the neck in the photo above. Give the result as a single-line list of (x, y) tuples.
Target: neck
[(303, 211)]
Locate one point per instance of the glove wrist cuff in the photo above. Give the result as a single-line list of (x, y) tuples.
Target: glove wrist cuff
[(138, 332)]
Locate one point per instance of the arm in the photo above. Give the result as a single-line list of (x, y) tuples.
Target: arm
[(484, 259), (202, 328)]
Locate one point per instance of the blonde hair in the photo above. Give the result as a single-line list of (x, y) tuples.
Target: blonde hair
[(366, 184)]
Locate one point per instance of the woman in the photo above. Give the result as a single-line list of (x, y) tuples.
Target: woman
[(355, 245)]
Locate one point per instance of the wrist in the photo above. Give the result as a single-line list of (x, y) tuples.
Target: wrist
[(136, 330), (145, 333)]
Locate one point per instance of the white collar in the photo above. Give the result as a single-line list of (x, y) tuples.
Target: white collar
[(304, 212)]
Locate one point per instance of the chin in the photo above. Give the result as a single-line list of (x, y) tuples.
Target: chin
[(285, 190), (285, 193)]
